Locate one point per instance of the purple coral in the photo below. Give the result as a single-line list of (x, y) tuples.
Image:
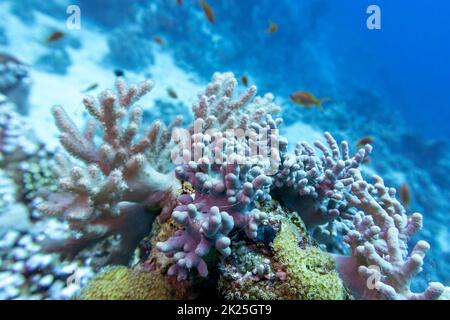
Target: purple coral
[(380, 266), (315, 186), (233, 157), (227, 177)]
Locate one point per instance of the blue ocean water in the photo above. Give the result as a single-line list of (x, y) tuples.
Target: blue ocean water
[(391, 84), (407, 59)]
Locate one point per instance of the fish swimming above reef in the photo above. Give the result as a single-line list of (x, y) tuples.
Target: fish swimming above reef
[(273, 27), (55, 37), (172, 93), (179, 2), (90, 88), (405, 195), (244, 80), (119, 73), (207, 9), (307, 99), (158, 40), (363, 141)]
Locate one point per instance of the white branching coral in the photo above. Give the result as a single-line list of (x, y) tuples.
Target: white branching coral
[(315, 186), (120, 177), (381, 266)]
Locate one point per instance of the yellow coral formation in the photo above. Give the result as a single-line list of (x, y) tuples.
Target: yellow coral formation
[(122, 283), (310, 272)]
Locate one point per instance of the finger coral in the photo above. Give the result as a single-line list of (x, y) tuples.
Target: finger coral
[(227, 177), (118, 180), (381, 266), (121, 283)]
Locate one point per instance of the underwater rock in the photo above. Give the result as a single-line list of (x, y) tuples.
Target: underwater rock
[(128, 50), (56, 61)]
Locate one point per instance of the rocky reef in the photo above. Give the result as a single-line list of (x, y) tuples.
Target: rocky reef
[(221, 207)]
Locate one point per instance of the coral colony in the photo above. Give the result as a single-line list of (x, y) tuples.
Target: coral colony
[(234, 206)]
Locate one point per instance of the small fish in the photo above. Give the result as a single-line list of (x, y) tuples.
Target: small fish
[(158, 40), (55, 36), (307, 99), (172, 93), (244, 80), (90, 88), (207, 10), (363, 141), (405, 195), (179, 2), (273, 27), (119, 73)]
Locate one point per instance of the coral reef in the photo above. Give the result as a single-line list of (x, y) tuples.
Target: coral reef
[(28, 273), (7, 192), (216, 206), (15, 82), (112, 194), (310, 272), (136, 55), (16, 141)]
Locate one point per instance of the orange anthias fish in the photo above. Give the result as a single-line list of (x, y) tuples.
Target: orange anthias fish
[(207, 10), (273, 27), (363, 141), (307, 99), (405, 195), (55, 36), (158, 40)]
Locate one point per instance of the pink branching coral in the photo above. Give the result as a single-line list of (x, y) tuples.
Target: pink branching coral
[(315, 186), (118, 180), (228, 174), (381, 266)]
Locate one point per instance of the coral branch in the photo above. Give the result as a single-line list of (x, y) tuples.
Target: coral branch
[(122, 169)]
